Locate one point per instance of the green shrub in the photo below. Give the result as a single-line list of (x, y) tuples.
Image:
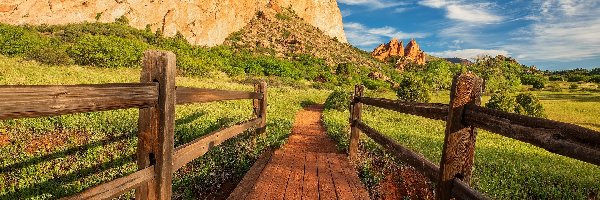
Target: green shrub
[(338, 100), (413, 89), (282, 16), (51, 56), (537, 81), (577, 78), (595, 79), (556, 78), (17, 41), (573, 86), (107, 51), (529, 104), (502, 101)]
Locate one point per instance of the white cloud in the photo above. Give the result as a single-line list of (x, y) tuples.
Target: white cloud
[(565, 30), (363, 36), (346, 12), (470, 54), (373, 4), (465, 12)]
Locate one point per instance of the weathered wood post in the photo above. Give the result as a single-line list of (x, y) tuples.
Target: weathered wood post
[(260, 105), (459, 141), (355, 117), (156, 126)]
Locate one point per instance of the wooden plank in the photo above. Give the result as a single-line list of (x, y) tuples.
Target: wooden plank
[(198, 147), (554, 139), (358, 189), (280, 176), (461, 190), (326, 187), (165, 61), (187, 95), (116, 187), (342, 186), (355, 117), (265, 183), (294, 186), (411, 158), (42, 101), (459, 141), (247, 184), (263, 106), (310, 190), (147, 130)]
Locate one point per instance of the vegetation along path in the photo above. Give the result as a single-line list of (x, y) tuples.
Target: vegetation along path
[(309, 166)]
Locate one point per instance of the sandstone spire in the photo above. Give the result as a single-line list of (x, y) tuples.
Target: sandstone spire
[(412, 53)]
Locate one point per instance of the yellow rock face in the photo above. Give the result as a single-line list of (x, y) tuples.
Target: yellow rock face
[(202, 22)]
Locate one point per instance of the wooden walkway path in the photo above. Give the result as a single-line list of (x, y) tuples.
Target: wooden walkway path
[(309, 166)]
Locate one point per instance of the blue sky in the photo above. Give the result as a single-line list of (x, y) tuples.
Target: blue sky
[(550, 34)]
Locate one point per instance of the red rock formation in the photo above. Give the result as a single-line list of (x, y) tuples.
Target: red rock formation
[(391, 49), (412, 53)]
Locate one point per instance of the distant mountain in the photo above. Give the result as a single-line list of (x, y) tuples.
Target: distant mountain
[(461, 61)]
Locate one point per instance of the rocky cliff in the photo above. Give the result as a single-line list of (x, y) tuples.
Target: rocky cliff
[(411, 54), (202, 22)]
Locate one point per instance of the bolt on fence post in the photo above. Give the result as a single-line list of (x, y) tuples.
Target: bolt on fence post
[(459, 142), (355, 117), (156, 126)]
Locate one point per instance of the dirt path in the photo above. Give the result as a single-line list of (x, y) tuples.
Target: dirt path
[(309, 166)]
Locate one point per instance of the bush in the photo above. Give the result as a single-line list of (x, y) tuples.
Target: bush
[(51, 56), (577, 78), (338, 100), (501, 101), (595, 79), (107, 51), (413, 89), (556, 78), (537, 81), (16, 41), (529, 104), (573, 86)]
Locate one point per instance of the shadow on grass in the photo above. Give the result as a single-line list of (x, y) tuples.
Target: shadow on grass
[(57, 187), (572, 97)]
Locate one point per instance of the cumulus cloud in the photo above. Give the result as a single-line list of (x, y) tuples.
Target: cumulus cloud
[(464, 11), (366, 37), (470, 54)]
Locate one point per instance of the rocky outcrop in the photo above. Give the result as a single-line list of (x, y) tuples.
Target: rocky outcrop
[(202, 22), (391, 49), (411, 54)]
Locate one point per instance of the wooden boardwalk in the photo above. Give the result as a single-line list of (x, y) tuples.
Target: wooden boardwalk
[(309, 166)]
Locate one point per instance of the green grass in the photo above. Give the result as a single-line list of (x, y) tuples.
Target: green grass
[(53, 157), (504, 168)]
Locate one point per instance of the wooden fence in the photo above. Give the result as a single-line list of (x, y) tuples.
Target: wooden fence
[(463, 115), (156, 97)]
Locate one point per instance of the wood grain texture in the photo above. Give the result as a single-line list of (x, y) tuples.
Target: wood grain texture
[(557, 139), (198, 147), (459, 141), (461, 190), (42, 101), (355, 117), (116, 187), (429, 110), (186, 95), (165, 62), (413, 159), (263, 105)]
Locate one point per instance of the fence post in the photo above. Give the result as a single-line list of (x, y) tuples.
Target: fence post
[(459, 141), (355, 117), (156, 126)]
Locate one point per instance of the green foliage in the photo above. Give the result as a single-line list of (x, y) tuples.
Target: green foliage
[(577, 78), (338, 100), (282, 16), (595, 79), (537, 81), (573, 86), (556, 78), (413, 89), (529, 104), (107, 51), (501, 101), (51, 56), (18, 41), (122, 20), (500, 73)]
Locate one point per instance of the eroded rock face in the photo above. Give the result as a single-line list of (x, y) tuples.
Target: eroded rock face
[(202, 22), (412, 52)]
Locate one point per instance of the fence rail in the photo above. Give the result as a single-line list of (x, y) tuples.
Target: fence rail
[(156, 97), (463, 115)]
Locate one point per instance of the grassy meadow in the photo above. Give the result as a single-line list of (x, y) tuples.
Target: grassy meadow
[(504, 168), (53, 157)]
